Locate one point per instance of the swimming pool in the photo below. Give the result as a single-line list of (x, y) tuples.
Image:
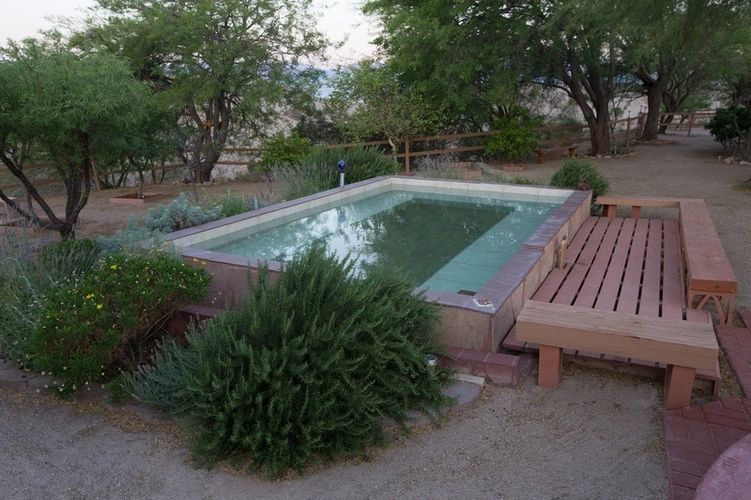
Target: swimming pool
[(472, 247)]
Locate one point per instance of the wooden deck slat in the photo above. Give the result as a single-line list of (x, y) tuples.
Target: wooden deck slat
[(649, 302), (580, 239), (673, 297), (588, 293), (570, 287), (611, 284), (629, 294), (552, 283)]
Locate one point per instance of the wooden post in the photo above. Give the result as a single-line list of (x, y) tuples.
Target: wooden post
[(628, 128), (406, 154), (690, 123)]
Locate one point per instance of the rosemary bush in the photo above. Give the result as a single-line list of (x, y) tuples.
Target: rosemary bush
[(308, 368), (580, 174)]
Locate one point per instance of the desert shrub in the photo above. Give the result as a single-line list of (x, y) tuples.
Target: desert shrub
[(730, 127), (180, 213), (26, 276), (232, 204), (69, 257), (132, 239), (317, 170), (308, 367), (580, 174), (515, 139), (283, 151), (90, 329)]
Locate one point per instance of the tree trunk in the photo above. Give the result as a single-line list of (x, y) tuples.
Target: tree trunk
[(654, 104)]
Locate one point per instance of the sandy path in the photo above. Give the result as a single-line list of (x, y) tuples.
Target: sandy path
[(595, 437)]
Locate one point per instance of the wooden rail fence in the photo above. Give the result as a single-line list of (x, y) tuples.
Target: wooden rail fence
[(627, 129)]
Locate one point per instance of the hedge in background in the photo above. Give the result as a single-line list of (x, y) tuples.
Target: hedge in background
[(309, 367), (90, 329)]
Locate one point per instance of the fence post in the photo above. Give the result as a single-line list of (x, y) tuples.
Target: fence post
[(406, 154), (690, 123), (628, 128)]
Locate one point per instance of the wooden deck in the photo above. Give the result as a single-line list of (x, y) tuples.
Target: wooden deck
[(629, 265)]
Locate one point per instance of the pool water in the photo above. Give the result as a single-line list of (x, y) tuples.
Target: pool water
[(444, 242)]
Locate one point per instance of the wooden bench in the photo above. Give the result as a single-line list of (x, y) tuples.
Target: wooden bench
[(709, 275), (684, 346), (565, 144)]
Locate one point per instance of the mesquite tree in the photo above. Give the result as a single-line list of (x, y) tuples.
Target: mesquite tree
[(229, 65), (68, 111)]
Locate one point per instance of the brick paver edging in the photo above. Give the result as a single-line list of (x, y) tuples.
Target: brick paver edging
[(696, 436)]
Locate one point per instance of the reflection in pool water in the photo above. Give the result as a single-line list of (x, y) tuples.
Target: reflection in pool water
[(444, 242)]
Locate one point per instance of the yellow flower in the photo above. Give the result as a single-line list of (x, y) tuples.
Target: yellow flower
[(113, 267), (89, 296), (99, 307)]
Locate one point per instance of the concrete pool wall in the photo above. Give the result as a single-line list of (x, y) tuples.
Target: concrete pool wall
[(478, 322)]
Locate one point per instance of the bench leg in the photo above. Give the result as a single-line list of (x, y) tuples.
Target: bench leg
[(679, 382), (550, 366)]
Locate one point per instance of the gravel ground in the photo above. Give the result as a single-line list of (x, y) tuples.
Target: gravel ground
[(597, 436)]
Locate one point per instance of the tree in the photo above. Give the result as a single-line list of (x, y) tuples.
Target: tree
[(673, 47), (368, 100), (69, 111), (228, 64), (497, 48)]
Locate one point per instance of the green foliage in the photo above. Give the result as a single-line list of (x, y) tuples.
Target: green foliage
[(368, 101), (69, 258), (730, 126), (318, 172), (107, 321), (310, 366), (70, 109), (178, 214), (227, 65), (515, 139), (580, 174), (26, 278), (283, 151)]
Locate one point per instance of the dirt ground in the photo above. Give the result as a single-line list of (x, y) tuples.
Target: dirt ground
[(597, 436)]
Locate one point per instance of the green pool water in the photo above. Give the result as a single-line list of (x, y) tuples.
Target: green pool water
[(444, 242)]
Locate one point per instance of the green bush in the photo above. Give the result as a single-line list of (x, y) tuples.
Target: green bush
[(283, 151), (230, 205), (180, 213), (515, 139), (26, 276), (730, 127), (108, 321), (580, 174), (318, 172), (308, 368)]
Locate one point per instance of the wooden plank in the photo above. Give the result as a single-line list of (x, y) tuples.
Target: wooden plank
[(639, 201), (580, 239), (628, 298), (590, 288), (673, 298), (611, 284), (550, 286), (568, 290), (414, 154), (707, 264), (681, 343), (649, 302)]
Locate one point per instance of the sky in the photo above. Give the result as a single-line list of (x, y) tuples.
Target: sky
[(340, 20)]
